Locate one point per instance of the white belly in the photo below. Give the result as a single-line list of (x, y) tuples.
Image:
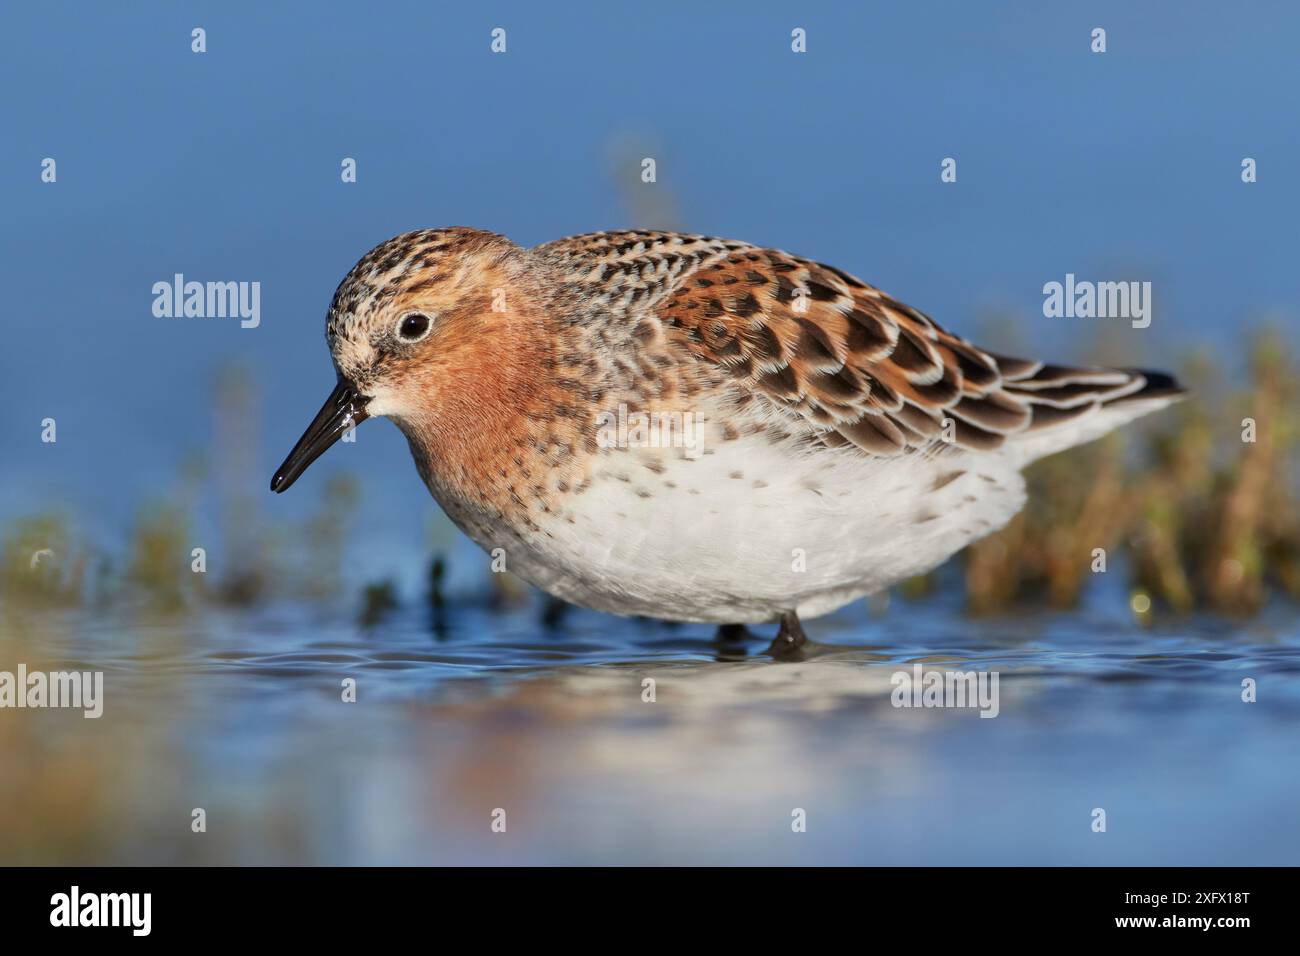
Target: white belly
[(750, 529)]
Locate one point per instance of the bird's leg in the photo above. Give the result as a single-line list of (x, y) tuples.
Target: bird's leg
[(730, 642), (554, 612), (732, 633), (791, 642)]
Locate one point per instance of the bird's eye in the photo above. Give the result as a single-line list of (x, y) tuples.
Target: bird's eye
[(413, 327)]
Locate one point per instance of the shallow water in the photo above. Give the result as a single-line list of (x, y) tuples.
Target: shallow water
[(241, 715)]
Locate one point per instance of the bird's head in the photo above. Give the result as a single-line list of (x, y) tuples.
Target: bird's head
[(422, 328)]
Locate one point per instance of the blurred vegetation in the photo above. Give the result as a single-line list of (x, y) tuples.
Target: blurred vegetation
[(1201, 515), (38, 562), (378, 600), (633, 162), (167, 565)]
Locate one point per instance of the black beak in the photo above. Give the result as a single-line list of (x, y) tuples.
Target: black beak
[(343, 409)]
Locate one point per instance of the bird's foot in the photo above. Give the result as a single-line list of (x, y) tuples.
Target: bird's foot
[(791, 642)]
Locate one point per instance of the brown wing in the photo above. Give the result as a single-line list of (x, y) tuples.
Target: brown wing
[(857, 367)]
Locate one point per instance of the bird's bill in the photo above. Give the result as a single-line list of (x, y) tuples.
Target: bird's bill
[(341, 411)]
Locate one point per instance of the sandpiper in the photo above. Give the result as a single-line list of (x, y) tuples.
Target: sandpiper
[(843, 441)]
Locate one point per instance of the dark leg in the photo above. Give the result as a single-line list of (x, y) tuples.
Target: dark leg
[(791, 642), (554, 612), (731, 642), (732, 633)]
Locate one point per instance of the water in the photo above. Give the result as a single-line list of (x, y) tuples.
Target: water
[(241, 715)]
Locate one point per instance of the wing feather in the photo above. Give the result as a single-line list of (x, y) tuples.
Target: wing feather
[(845, 364)]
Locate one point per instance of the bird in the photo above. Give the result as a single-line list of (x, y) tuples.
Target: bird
[(696, 429)]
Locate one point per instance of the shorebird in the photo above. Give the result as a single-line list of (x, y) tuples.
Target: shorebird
[(844, 441)]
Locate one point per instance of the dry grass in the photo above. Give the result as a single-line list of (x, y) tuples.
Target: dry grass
[(1199, 516)]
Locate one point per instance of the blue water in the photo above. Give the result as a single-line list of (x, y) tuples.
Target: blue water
[(241, 715)]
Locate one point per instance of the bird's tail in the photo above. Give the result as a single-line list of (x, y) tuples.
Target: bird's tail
[(1071, 406)]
